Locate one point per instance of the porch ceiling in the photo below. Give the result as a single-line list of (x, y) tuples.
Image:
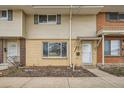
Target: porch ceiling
[(11, 38), (111, 32), (89, 38)]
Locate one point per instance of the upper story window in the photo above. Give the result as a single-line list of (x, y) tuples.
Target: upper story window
[(6, 15), (115, 16), (47, 19), (3, 14), (44, 19)]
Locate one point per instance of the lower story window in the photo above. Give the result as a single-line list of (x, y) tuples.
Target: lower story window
[(54, 49), (112, 47)]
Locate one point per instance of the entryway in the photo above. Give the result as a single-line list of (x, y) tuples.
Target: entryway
[(87, 53), (11, 51)]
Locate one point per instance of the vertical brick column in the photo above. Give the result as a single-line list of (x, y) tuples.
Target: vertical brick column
[(122, 47), (23, 52), (1, 51)]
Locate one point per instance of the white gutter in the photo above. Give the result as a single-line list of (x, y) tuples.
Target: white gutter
[(103, 50), (70, 34)]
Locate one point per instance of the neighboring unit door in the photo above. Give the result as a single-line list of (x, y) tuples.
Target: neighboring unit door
[(87, 53), (11, 49)]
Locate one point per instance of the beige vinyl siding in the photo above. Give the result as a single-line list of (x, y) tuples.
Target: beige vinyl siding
[(12, 28), (23, 24), (47, 31), (82, 25)]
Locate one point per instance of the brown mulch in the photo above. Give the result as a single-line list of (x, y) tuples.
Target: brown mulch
[(51, 71)]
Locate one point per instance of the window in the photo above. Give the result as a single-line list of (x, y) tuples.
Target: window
[(42, 18), (115, 47), (3, 14), (107, 47), (115, 16), (112, 47), (54, 49), (47, 19), (121, 16), (51, 18)]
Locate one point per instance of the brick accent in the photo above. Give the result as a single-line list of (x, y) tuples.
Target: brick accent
[(99, 53), (23, 52), (101, 21), (111, 59), (1, 51)]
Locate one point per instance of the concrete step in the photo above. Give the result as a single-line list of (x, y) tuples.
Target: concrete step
[(4, 66), (89, 66)]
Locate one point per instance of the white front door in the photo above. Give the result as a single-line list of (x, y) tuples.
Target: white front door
[(87, 53), (11, 49)]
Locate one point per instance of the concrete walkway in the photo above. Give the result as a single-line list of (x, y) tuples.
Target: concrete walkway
[(104, 80), (100, 73)]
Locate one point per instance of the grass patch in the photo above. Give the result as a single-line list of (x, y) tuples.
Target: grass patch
[(115, 70)]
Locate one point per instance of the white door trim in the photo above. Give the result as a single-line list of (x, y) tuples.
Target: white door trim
[(8, 47), (85, 53)]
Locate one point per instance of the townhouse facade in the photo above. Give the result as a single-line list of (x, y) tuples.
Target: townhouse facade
[(61, 35)]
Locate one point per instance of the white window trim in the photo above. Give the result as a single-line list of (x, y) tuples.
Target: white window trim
[(110, 49), (47, 20), (60, 50), (112, 46), (4, 18)]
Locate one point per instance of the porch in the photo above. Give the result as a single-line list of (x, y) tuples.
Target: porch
[(111, 49), (12, 52), (86, 47)]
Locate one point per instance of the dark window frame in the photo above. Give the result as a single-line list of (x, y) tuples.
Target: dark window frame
[(2, 17), (61, 50), (109, 15), (47, 19)]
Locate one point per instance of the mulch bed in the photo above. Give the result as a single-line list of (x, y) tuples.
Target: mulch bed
[(50, 71), (115, 70)]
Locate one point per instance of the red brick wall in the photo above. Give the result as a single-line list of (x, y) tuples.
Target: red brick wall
[(99, 53), (101, 21), (1, 51), (111, 59), (22, 52)]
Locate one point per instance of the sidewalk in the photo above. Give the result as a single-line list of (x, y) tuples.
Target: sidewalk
[(42, 82), (104, 80)]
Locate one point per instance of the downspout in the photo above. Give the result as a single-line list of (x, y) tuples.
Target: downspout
[(70, 34), (103, 58)]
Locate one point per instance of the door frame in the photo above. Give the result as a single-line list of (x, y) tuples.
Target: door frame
[(87, 43), (16, 47), (5, 47)]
